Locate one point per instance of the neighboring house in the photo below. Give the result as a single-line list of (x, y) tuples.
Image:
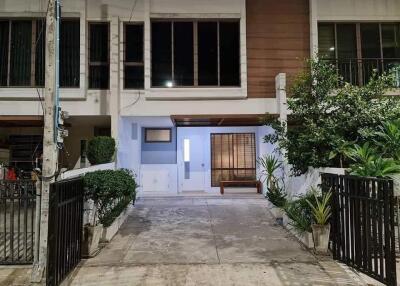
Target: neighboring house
[(182, 84)]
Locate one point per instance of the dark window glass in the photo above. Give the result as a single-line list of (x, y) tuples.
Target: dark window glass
[(20, 53), (208, 53), (183, 54), (99, 69), (4, 25), (326, 40), (40, 52), (69, 53), (229, 47), (134, 77), (161, 54), (370, 41), (346, 41), (134, 65), (134, 43), (391, 40)]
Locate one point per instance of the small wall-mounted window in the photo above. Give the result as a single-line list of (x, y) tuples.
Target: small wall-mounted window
[(158, 135)]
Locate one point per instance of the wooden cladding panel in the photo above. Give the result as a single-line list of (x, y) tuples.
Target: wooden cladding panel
[(278, 40)]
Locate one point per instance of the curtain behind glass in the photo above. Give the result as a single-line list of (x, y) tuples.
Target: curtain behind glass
[(20, 54), (3, 52), (69, 53)]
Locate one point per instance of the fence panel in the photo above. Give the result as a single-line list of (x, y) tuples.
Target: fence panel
[(65, 229), (17, 221), (363, 224)]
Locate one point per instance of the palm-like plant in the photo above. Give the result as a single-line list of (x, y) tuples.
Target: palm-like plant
[(269, 166), (388, 139), (368, 163), (321, 209)]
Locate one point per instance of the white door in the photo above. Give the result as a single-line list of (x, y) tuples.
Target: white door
[(191, 159)]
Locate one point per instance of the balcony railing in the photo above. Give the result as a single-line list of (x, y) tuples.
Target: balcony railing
[(359, 71)]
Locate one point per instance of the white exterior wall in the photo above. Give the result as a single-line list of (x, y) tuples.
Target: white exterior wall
[(148, 102)]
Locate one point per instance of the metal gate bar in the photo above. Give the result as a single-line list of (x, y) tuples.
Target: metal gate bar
[(17, 221), (363, 224), (65, 229)]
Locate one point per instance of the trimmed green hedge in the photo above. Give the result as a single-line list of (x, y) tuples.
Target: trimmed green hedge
[(112, 191), (101, 150)]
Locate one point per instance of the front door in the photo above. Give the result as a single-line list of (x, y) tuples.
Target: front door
[(191, 159)]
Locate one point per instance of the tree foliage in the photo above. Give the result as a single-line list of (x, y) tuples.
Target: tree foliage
[(327, 116)]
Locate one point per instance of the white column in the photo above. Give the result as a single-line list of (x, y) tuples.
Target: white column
[(114, 75), (313, 28), (243, 49), (147, 61), (280, 85)]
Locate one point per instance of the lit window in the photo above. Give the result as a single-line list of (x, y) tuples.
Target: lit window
[(186, 150), (158, 135)]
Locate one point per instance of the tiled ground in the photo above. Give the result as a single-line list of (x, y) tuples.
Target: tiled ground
[(200, 241)]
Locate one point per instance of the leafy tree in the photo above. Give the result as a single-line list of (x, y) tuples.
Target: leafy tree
[(327, 116)]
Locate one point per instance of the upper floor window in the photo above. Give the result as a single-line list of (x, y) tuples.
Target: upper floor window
[(22, 53), (99, 55), (133, 57), (359, 49), (69, 53), (195, 53)]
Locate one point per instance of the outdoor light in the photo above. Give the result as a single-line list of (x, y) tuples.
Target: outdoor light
[(169, 83), (332, 49), (186, 150)]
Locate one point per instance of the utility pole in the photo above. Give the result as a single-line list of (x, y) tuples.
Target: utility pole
[(50, 149)]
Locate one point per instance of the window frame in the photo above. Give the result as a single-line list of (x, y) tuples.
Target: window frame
[(77, 19), (34, 22), (359, 47), (196, 51), (133, 64), (97, 64), (231, 147), (34, 41), (157, 129)]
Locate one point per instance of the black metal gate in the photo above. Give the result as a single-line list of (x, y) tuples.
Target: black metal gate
[(17, 221), (363, 230), (65, 229)]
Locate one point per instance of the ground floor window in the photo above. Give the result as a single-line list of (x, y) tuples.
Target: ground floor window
[(233, 157)]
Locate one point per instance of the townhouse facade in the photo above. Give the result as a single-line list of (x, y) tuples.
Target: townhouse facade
[(182, 85)]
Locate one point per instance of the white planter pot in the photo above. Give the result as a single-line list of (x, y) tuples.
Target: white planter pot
[(110, 231), (91, 238), (321, 237), (307, 239)]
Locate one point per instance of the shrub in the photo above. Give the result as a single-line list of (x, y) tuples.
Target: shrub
[(327, 115), (277, 197), (101, 150), (112, 191), (300, 212)]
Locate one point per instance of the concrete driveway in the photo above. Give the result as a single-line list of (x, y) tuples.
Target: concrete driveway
[(200, 241)]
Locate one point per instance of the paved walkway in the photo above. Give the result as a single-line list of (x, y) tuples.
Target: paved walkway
[(198, 241)]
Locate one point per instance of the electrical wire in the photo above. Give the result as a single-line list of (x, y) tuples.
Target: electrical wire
[(132, 10), (34, 48)]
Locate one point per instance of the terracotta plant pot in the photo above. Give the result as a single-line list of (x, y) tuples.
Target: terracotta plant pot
[(91, 238), (321, 237)]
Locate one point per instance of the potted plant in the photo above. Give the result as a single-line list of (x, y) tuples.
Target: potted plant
[(275, 194), (321, 227), (92, 232), (300, 218), (110, 192)]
